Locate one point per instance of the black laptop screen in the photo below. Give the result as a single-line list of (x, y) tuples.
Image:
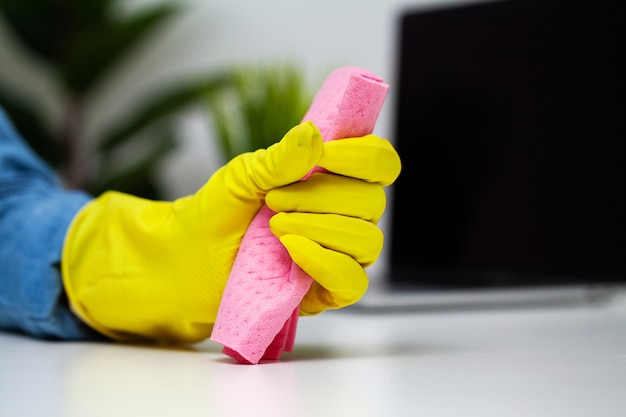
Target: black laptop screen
[(510, 124)]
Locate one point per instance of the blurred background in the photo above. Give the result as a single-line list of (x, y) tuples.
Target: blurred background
[(151, 96)]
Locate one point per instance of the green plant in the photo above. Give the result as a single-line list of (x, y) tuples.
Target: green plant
[(81, 41), (259, 107)]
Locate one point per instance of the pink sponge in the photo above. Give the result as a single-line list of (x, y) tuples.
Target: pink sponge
[(258, 314)]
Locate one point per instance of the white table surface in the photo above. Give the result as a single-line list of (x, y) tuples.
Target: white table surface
[(565, 361)]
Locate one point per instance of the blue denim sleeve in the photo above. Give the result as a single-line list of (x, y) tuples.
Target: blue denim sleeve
[(35, 212)]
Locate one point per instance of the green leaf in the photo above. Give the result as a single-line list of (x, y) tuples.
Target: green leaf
[(265, 102), (223, 128), (135, 176), (45, 27), (29, 123), (98, 49), (165, 104)]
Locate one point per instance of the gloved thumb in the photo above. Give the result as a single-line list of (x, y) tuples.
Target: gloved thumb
[(237, 190)]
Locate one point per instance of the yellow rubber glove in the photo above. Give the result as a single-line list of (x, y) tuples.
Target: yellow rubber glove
[(328, 222), (136, 269)]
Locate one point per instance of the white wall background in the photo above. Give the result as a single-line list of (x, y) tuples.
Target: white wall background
[(318, 35)]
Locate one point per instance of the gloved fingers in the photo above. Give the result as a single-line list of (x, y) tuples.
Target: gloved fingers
[(328, 193), (317, 300), (286, 161), (360, 239), (254, 173), (339, 279), (369, 158), (236, 191)]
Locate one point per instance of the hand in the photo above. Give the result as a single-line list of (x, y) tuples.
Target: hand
[(328, 222), (139, 269), (136, 269)]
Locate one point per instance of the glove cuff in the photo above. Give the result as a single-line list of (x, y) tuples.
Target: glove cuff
[(67, 272), (78, 266)]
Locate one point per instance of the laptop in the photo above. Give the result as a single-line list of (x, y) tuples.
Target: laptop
[(509, 118)]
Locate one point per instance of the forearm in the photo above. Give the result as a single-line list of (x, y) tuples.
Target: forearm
[(32, 299), (35, 212)]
